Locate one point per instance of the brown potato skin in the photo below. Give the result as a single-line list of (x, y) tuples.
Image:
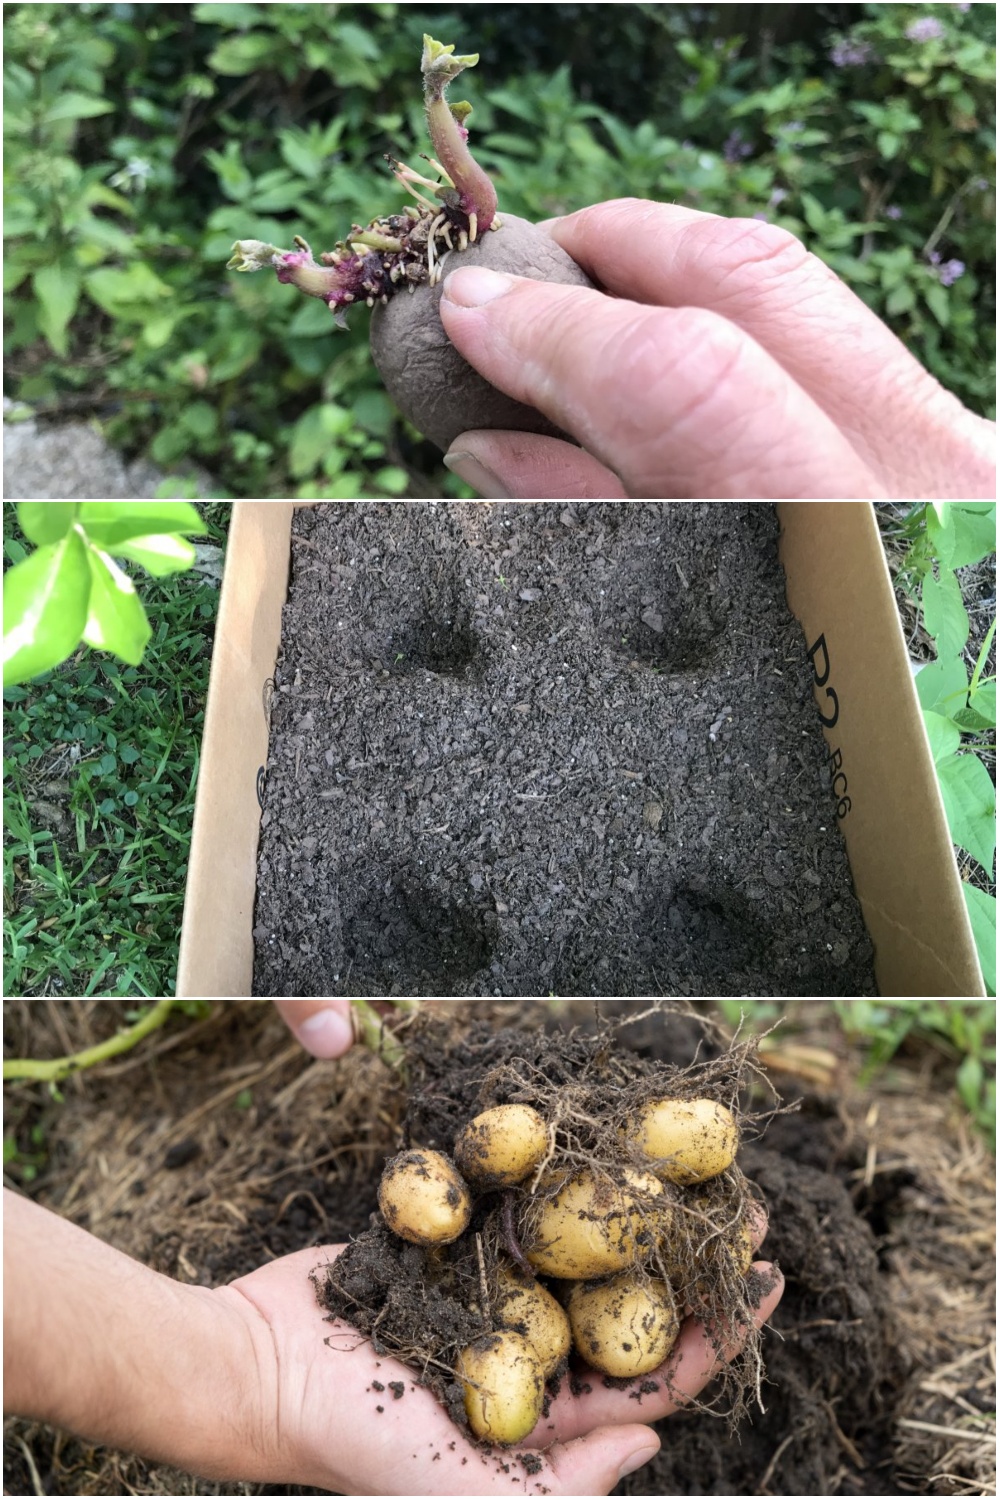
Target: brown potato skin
[(423, 372)]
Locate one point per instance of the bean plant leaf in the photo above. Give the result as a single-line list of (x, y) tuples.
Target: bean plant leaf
[(944, 612), (943, 736), (45, 601), (116, 621), (970, 802), (982, 909), (44, 521), (969, 528), (942, 685)]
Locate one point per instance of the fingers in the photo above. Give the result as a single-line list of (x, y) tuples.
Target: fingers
[(677, 402), (322, 1026), (526, 466), (761, 278), (694, 1361), (594, 1464)]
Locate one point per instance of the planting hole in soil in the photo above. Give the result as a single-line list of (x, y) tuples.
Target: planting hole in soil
[(534, 749)]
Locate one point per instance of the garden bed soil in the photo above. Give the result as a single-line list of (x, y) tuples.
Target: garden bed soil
[(236, 1148), (533, 749)]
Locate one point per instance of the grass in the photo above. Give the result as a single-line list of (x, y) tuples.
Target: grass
[(100, 767)]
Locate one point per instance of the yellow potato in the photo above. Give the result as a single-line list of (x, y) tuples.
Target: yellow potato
[(687, 1140), (423, 1198), (531, 1310), (502, 1145), (626, 1326), (590, 1227), (504, 1386)]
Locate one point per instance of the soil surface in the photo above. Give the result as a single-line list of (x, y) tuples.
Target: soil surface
[(535, 749), (219, 1145)]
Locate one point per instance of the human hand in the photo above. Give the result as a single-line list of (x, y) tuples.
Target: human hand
[(318, 1418), (322, 1026), (721, 360)]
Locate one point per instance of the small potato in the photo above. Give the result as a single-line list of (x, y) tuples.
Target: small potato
[(590, 1227), (623, 1327), (531, 1310), (687, 1140), (502, 1145), (423, 1198), (504, 1386)]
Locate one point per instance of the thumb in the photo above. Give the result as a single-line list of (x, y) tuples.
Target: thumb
[(594, 1464), (322, 1026), (677, 401)]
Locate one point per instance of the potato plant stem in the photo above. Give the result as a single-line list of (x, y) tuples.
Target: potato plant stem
[(58, 1068), (371, 1030)]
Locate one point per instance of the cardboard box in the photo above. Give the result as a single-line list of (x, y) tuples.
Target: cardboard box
[(888, 801)]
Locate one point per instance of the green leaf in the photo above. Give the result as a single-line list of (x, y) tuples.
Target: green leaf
[(937, 300), (44, 521), (238, 55), (159, 555), (970, 801), (975, 530), (942, 684), (982, 909), (73, 106), (901, 299), (984, 703), (314, 434), (117, 621), (969, 1081), (944, 612), (111, 522), (941, 532), (45, 601), (944, 738), (57, 288)]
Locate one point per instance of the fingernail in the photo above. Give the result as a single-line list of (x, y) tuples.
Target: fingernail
[(637, 1459), (474, 285), (476, 474), (326, 1033)]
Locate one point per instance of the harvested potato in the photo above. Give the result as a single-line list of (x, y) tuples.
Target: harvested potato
[(623, 1327), (502, 1145), (504, 1386), (590, 1227), (531, 1310), (423, 1198), (687, 1140)]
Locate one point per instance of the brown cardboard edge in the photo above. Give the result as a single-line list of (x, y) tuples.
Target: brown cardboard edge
[(216, 945), (895, 828)]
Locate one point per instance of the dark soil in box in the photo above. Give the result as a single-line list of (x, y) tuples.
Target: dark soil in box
[(531, 749)]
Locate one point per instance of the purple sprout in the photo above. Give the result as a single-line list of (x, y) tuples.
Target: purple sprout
[(926, 29)]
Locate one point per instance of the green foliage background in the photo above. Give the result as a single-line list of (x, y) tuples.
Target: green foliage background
[(144, 139)]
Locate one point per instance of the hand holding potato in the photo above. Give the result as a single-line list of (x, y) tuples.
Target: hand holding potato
[(332, 1436)]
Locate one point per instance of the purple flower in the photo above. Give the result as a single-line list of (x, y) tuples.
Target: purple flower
[(778, 195), (927, 29), (949, 273), (894, 211), (793, 127), (736, 148), (852, 54)]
